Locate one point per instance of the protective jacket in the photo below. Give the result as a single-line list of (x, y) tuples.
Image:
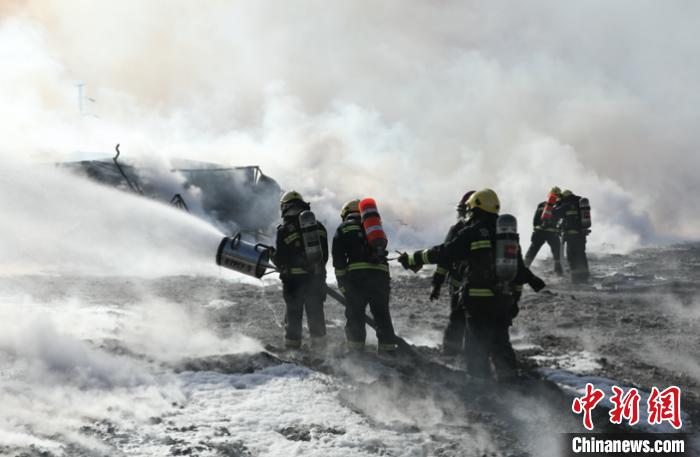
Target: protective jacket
[(484, 296), (453, 336), (537, 220), (569, 212), (290, 257), (303, 283), (450, 271), (363, 276), (352, 253), (541, 234), (574, 235)]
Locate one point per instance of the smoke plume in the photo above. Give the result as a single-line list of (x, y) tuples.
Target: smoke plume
[(412, 104)]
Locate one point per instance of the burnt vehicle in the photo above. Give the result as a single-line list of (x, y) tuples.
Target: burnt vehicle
[(235, 199)]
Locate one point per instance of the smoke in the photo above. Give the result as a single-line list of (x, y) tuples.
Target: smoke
[(411, 104), (55, 223)]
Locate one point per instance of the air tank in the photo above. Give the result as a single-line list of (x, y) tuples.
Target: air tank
[(310, 237), (507, 247), (547, 217), (585, 211), (243, 257), (372, 223)]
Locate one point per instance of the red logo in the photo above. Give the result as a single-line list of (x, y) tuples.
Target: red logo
[(624, 407), (665, 406), (662, 406), (587, 403)]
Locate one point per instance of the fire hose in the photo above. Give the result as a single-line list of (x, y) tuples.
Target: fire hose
[(254, 260)]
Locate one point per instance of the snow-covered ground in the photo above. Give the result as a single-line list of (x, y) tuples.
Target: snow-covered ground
[(177, 365)]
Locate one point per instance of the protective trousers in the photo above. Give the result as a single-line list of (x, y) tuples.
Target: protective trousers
[(453, 338), (306, 292), (489, 341), (539, 237), (576, 257), (368, 288)]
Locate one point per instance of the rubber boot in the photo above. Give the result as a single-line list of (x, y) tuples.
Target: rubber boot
[(558, 270), (319, 343), (292, 344)]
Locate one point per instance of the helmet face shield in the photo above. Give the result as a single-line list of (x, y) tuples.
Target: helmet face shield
[(291, 209), (462, 212), (462, 207), (469, 213)]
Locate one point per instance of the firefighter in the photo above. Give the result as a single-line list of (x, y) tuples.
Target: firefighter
[(453, 338), (573, 235), (363, 277), (303, 282), (488, 301), (545, 232)]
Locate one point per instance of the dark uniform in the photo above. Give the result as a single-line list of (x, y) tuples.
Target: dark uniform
[(490, 305), (303, 285), (363, 276), (574, 236), (453, 338), (544, 234)]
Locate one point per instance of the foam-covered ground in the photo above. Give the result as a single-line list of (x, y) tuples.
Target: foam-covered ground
[(184, 365)]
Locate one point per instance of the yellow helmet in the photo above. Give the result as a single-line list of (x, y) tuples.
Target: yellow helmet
[(292, 203), (290, 196), (485, 200), (566, 193), (353, 206), (555, 190)]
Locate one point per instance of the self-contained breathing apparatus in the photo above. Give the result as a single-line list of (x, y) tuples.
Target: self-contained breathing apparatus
[(506, 256), (583, 211), (311, 240), (372, 225)]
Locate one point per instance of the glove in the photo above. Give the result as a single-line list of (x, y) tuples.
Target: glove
[(435, 294), (536, 283), (341, 285), (403, 260)]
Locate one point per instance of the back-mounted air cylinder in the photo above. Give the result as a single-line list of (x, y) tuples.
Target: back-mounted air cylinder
[(507, 246), (310, 237)]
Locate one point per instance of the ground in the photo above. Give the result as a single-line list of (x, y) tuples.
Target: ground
[(184, 365)]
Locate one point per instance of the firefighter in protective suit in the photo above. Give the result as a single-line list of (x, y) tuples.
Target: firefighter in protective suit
[(363, 277), (545, 233), (488, 302), (453, 338), (573, 235), (303, 283)]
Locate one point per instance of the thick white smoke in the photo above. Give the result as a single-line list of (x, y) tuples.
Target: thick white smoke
[(412, 104)]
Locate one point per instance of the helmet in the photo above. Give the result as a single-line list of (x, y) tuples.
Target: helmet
[(566, 193), (555, 190), (462, 205), (291, 200), (485, 200), (353, 206), (290, 196)]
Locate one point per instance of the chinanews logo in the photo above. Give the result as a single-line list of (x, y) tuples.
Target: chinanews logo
[(662, 406)]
